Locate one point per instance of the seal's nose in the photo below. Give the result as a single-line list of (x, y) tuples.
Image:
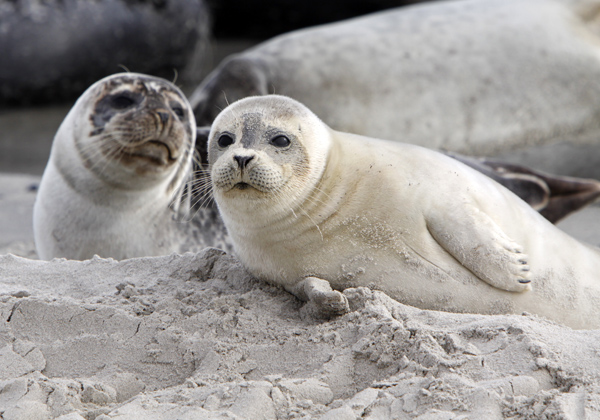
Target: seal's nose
[(243, 160)]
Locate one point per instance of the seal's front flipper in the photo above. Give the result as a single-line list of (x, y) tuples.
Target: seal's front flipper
[(328, 302), (479, 244)]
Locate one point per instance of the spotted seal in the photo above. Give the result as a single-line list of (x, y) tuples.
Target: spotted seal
[(313, 209), (118, 167)]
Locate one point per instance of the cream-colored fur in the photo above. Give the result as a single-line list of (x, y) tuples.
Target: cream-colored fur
[(477, 77), (426, 229), (94, 199)]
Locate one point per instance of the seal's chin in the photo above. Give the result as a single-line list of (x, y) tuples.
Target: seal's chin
[(153, 151)]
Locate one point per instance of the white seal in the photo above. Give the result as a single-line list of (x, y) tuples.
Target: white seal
[(118, 163), (312, 209), (516, 79)]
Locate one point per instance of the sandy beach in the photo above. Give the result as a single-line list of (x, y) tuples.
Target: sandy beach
[(193, 336)]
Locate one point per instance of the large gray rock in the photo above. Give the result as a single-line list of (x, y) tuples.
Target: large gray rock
[(54, 49)]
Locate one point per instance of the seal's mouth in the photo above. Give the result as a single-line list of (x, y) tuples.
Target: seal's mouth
[(242, 186), (155, 151)]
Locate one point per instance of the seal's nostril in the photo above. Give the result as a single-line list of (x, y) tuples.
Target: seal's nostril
[(243, 160), (164, 116)]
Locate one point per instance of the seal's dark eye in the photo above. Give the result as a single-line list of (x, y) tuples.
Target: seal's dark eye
[(122, 101), (280, 141), (178, 110), (225, 140)]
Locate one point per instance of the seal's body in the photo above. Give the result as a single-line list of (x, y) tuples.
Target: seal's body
[(489, 78), (309, 208), (118, 162)]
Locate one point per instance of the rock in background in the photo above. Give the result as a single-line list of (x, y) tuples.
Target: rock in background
[(52, 50)]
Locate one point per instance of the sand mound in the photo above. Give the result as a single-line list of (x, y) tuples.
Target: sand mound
[(193, 336)]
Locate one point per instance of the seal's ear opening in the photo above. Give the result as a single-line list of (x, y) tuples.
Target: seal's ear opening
[(202, 144)]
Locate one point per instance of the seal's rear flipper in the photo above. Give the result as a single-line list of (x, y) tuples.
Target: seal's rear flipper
[(567, 194), (555, 197)]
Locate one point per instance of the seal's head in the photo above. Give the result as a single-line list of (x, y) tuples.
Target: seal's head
[(267, 151), (131, 129)]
